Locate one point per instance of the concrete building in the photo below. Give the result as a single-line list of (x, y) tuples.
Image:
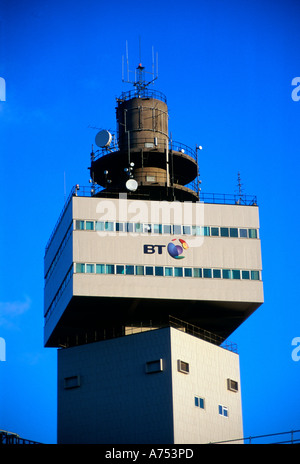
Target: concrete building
[(144, 281)]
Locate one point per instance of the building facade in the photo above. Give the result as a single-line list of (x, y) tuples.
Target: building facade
[(144, 281)]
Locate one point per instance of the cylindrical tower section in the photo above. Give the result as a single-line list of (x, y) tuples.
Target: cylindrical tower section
[(142, 123)]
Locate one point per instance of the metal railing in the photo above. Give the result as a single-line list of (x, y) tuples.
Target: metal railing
[(143, 93), (10, 438), (229, 199), (291, 438)]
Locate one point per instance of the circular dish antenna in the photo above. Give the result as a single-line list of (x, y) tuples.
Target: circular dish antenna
[(131, 185), (103, 139)]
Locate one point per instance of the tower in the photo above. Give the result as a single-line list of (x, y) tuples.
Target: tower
[(145, 279)]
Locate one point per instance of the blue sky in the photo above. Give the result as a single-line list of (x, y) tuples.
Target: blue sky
[(226, 69)]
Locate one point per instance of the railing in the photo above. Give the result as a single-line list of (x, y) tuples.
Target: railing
[(291, 438), (228, 199), (143, 93), (9, 438)]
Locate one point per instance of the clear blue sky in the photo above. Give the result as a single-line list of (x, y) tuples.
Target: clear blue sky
[(226, 68)]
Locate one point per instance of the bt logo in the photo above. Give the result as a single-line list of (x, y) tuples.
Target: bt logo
[(174, 250)]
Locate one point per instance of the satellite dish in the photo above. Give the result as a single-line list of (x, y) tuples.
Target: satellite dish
[(131, 185), (103, 139)]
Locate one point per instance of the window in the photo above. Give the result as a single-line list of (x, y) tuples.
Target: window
[(129, 270), (119, 269), (168, 271), (154, 366), (226, 274), (99, 225), (217, 273), (176, 230), (119, 227), (159, 271), (147, 228), (199, 402), (232, 385), (204, 231), (139, 270), (224, 232), (80, 268), (79, 225), (187, 272), (197, 272), (252, 233), (138, 227), (72, 382), (109, 226), (157, 228), (236, 274), (195, 230), (167, 229), (149, 270), (90, 268), (207, 273), (178, 271), (100, 268), (243, 233), (223, 410), (214, 231), (129, 227), (186, 230), (89, 225), (254, 275), (110, 269), (245, 275), (233, 232), (183, 366)]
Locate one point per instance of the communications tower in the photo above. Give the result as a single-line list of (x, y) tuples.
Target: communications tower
[(145, 280)]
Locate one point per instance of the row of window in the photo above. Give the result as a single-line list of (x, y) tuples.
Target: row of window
[(200, 403), (166, 271), (59, 292), (138, 228)]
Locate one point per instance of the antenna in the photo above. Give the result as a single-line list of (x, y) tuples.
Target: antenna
[(140, 81), (240, 189)]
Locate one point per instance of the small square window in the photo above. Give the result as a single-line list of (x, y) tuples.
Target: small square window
[(187, 272), (254, 275), (139, 270), (252, 233), (79, 225), (245, 275), (217, 273), (89, 225), (224, 232), (195, 230), (168, 271), (129, 270), (72, 382), (149, 270), (207, 273), (147, 228), (109, 226), (100, 268), (157, 228), (110, 269), (154, 366), (236, 274), (80, 268), (243, 233), (167, 229), (138, 227), (129, 227), (232, 385), (197, 272), (227, 274), (90, 268), (178, 271), (176, 230), (159, 271), (214, 231), (223, 410), (119, 227), (99, 225), (183, 367), (119, 269), (186, 230), (205, 231), (233, 232)]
